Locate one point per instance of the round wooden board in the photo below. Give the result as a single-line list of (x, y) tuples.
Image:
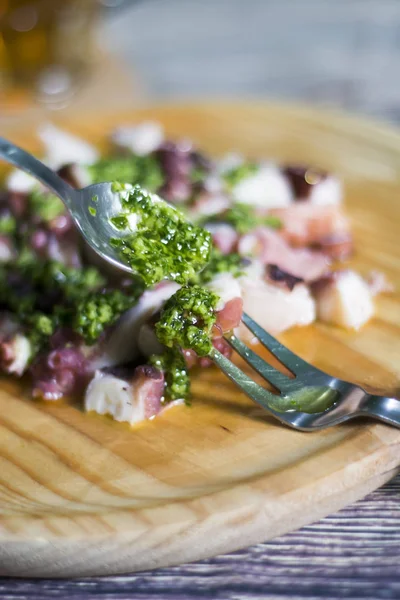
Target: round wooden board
[(83, 495)]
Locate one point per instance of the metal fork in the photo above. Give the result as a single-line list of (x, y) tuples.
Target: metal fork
[(310, 401)]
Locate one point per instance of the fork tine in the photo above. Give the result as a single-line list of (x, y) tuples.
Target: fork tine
[(293, 362), (274, 376), (257, 393)]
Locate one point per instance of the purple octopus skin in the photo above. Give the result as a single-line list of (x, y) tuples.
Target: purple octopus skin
[(61, 225), (63, 370), (176, 164), (67, 173), (144, 385), (67, 367), (57, 240), (337, 247), (18, 203), (65, 248), (123, 372), (200, 161), (61, 246), (148, 383), (276, 274), (177, 161), (39, 241), (297, 177)]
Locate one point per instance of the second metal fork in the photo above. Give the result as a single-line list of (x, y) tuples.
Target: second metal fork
[(310, 401)]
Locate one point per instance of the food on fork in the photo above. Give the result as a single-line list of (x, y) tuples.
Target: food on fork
[(235, 235)]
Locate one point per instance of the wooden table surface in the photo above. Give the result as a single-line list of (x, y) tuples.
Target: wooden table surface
[(356, 552)]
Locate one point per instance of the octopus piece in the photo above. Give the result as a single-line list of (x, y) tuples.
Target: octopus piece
[(63, 370), (15, 352), (344, 299), (267, 188), (313, 185), (224, 236), (128, 399), (140, 139), (304, 224), (271, 249), (274, 307)]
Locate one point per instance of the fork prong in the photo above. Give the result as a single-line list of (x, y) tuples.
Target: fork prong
[(294, 363), (274, 376), (256, 392)]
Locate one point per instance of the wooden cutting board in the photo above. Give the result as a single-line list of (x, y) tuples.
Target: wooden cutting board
[(83, 495)]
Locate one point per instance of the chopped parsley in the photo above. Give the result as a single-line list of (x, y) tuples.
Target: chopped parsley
[(164, 244), (272, 221), (97, 311), (47, 295), (8, 225), (40, 328), (177, 380), (29, 287), (198, 174), (131, 168), (221, 263), (45, 205), (72, 282), (187, 319), (235, 175), (243, 218), (120, 222)]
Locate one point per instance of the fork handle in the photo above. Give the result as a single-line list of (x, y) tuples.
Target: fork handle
[(357, 403), (23, 160), (382, 408)]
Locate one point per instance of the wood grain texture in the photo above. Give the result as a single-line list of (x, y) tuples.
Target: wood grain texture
[(352, 554), (82, 495)]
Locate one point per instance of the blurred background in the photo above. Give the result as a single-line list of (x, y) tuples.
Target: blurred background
[(82, 55)]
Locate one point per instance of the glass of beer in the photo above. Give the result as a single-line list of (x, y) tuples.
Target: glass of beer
[(46, 46)]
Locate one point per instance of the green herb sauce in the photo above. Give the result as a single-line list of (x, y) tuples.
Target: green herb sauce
[(187, 319), (221, 263), (237, 174), (133, 169), (80, 300), (164, 244), (8, 225), (46, 205), (177, 380), (243, 218)]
